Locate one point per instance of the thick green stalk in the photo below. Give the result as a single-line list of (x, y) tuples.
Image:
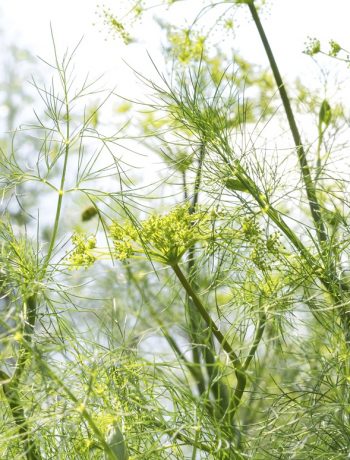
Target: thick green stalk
[(192, 314), (239, 371), (218, 388), (305, 170)]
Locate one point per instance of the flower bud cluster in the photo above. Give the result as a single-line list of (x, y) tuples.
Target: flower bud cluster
[(313, 46), (273, 244), (124, 237), (186, 45), (335, 48), (82, 255), (262, 248), (166, 238)]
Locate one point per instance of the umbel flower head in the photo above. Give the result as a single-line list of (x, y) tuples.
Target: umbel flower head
[(164, 238), (82, 255)]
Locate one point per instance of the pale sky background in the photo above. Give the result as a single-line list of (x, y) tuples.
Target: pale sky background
[(287, 22)]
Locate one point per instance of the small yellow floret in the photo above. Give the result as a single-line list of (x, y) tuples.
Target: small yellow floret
[(81, 408), (18, 336)]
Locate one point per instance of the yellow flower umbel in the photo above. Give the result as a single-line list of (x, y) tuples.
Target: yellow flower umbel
[(186, 45), (164, 238), (124, 238), (82, 255)]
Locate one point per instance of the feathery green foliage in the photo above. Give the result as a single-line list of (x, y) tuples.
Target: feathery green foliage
[(211, 319)]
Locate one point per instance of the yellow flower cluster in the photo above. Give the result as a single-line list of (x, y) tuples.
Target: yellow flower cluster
[(165, 238), (186, 45), (124, 237), (263, 248), (313, 46), (335, 48), (116, 27), (82, 255)]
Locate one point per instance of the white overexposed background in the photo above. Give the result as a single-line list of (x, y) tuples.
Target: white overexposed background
[(288, 24)]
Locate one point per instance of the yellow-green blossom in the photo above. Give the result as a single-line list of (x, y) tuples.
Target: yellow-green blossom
[(335, 48), (115, 25), (165, 238), (82, 255), (123, 239), (313, 46), (264, 249), (186, 45)]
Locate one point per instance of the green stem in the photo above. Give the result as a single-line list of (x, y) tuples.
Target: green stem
[(327, 275), (198, 179), (194, 320), (10, 390), (257, 338), (219, 389), (84, 413), (305, 170), (239, 371), (318, 153), (240, 173), (60, 191), (30, 307)]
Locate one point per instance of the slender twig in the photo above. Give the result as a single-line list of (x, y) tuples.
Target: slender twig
[(198, 179), (328, 277), (63, 178), (79, 406), (259, 331), (218, 388), (327, 274)]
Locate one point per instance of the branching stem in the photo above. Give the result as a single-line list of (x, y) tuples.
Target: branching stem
[(257, 338), (239, 370), (62, 182)]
